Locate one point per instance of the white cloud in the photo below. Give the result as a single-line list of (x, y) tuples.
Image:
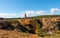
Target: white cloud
[(7, 15), (59, 10), (30, 13), (41, 12), (53, 10), (34, 13)]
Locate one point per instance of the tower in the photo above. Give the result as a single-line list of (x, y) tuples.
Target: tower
[(25, 15)]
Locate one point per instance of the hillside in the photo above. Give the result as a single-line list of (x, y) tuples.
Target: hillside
[(38, 26)]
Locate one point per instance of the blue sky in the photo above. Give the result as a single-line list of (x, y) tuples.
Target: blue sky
[(17, 8)]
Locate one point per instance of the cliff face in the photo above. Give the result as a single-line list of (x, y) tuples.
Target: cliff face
[(51, 24), (46, 24), (32, 25), (50, 21), (21, 26)]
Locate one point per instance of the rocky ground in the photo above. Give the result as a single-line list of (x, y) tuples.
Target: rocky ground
[(16, 34)]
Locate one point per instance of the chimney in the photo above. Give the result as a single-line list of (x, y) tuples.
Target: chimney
[(25, 15)]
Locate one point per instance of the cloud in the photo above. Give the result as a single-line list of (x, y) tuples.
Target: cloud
[(41, 12), (53, 10), (9, 15), (34, 13), (30, 13)]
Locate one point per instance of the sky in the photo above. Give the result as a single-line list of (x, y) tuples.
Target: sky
[(17, 8)]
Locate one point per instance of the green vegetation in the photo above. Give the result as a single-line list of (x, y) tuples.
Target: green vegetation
[(40, 32), (45, 16)]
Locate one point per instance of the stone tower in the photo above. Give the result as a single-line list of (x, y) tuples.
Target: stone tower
[(25, 15)]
